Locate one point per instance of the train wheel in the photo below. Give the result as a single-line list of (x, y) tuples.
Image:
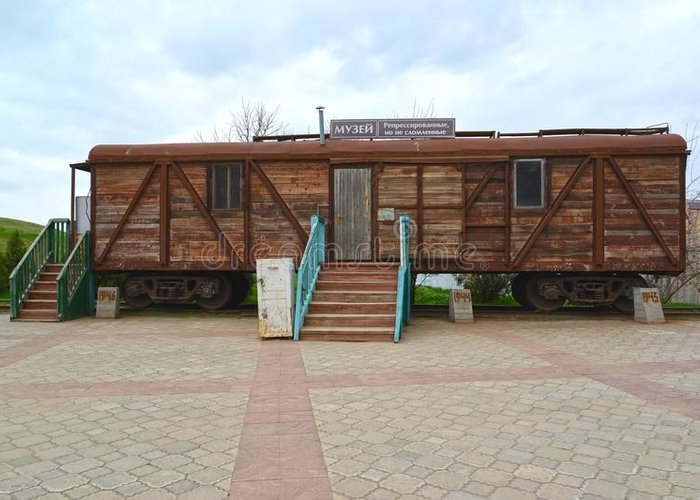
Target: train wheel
[(625, 301), (241, 287), (540, 303), (517, 288), (219, 300), (134, 295)]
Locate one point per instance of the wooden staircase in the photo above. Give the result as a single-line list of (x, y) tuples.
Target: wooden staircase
[(353, 302), (40, 304)]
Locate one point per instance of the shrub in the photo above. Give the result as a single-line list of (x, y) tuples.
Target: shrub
[(487, 288), (14, 252)]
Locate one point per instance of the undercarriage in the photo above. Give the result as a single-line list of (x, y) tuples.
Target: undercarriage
[(210, 291), (548, 291)]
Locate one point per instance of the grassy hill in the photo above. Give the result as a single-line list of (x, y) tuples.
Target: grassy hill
[(28, 231)]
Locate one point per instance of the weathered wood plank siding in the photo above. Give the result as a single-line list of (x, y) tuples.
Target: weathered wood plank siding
[(441, 214), (193, 243), (397, 188), (628, 240), (282, 193), (568, 238), (139, 239)]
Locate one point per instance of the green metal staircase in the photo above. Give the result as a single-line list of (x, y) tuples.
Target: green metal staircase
[(53, 282)]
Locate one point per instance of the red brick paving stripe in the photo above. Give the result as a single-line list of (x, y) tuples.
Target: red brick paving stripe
[(279, 453), (29, 347), (654, 393), (690, 326), (624, 377)]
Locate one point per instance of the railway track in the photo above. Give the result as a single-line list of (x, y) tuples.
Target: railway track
[(572, 311), (438, 310), (423, 311)]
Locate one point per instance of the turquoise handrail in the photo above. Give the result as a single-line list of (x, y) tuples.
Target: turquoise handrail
[(50, 247), (314, 256), (403, 289)]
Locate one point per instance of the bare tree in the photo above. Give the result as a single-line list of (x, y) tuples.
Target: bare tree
[(693, 186), (670, 286), (250, 120), (421, 111)]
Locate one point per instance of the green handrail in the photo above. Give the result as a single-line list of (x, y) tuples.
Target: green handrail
[(403, 289), (50, 247), (314, 256), (75, 282)]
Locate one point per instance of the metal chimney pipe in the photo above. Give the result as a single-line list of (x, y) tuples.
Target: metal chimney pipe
[(321, 126)]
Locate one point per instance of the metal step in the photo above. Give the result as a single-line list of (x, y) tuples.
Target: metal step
[(321, 307), (354, 296), (357, 266), (42, 295), (37, 315), (359, 320), (347, 333), (378, 285), (38, 304), (358, 275), (40, 286)]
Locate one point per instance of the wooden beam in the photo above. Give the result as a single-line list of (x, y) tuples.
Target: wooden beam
[(213, 225), (164, 214), (375, 205), (127, 213), (550, 213), (72, 206), (330, 223), (93, 227), (463, 203), (598, 209), (419, 204), (494, 224), (682, 214), (456, 160), (479, 188), (247, 257), (473, 196), (507, 210), (303, 237), (645, 215)]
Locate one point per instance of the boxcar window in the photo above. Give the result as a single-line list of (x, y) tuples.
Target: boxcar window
[(226, 187), (529, 183)]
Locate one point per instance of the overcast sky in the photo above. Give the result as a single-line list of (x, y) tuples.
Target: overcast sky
[(78, 73)]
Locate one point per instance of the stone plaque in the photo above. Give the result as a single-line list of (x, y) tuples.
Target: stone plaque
[(107, 302), (647, 306), (461, 306)]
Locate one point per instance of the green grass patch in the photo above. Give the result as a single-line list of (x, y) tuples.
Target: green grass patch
[(681, 305), (28, 231), (427, 295), (252, 297), (505, 300)]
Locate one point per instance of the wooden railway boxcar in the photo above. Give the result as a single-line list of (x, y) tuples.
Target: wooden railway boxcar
[(575, 214)]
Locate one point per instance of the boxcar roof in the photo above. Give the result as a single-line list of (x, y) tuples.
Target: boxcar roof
[(377, 149)]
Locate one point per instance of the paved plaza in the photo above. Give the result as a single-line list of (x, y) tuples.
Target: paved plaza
[(198, 407)]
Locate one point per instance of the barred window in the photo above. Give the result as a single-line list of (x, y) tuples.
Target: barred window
[(226, 186), (528, 185)]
